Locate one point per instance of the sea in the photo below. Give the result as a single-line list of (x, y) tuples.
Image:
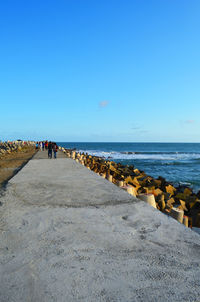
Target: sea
[(178, 163)]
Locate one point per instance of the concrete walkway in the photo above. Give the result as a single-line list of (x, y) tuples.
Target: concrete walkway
[(69, 235)]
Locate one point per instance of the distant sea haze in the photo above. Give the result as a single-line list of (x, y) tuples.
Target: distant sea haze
[(178, 163)]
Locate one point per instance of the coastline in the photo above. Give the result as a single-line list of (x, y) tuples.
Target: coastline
[(178, 163), (169, 199), (66, 230)]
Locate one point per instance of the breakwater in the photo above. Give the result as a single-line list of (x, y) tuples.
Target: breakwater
[(68, 234), (13, 156), (178, 163), (180, 202), (14, 146)]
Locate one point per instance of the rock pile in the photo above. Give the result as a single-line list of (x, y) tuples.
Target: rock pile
[(179, 202), (9, 147)]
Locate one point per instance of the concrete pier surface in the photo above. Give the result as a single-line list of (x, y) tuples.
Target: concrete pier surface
[(66, 234)]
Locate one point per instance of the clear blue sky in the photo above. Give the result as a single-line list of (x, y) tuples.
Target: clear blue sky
[(100, 70)]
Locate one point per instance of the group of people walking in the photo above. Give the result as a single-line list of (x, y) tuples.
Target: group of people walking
[(50, 146)]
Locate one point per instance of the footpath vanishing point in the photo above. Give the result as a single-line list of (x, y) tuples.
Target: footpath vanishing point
[(67, 234)]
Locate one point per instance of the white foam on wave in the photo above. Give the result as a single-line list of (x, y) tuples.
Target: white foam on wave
[(143, 156)]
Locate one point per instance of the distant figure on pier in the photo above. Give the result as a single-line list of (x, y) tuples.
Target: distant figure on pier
[(40, 146), (55, 149), (50, 146), (43, 145), (46, 145)]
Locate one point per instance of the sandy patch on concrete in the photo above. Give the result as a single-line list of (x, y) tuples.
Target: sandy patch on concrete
[(12, 163)]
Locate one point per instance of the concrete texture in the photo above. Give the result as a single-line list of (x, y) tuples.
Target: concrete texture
[(44, 155), (69, 235)]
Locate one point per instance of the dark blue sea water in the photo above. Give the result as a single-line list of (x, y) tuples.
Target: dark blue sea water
[(178, 163)]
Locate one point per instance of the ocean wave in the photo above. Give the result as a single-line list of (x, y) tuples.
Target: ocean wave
[(167, 163), (162, 156), (197, 159), (157, 152)]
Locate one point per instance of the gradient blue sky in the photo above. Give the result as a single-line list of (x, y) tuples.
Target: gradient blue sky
[(100, 70)]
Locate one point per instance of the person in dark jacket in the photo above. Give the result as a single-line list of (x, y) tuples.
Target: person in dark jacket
[(50, 150), (55, 149)]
